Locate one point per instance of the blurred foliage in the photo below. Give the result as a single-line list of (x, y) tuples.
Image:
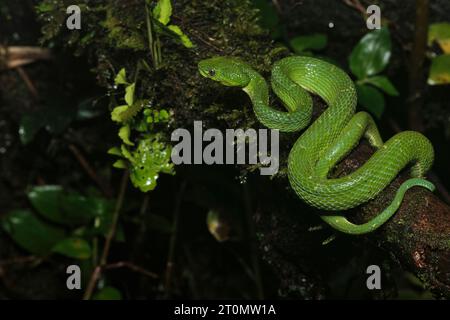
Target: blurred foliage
[(440, 65), (67, 222)]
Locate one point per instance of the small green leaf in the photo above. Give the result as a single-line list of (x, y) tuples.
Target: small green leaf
[(45, 7), (126, 153), (316, 41), (31, 233), (124, 134), (115, 151), (371, 99), (163, 11), (372, 53), (183, 38), (440, 70), (384, 84), (129, 94), (76, 248), (117, 112), (120, 164), (164, 115), (108, 293), (440, 32), (121, 77)]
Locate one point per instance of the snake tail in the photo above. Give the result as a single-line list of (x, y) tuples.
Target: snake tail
[(342, 224)]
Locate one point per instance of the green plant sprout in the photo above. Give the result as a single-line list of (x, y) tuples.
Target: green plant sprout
[(151, 156), (157, 21)]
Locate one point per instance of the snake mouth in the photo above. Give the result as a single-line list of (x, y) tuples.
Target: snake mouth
[(203, 73)]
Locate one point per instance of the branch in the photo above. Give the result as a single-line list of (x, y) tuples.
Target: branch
[(417, 236), (109, 238), (416, 74)]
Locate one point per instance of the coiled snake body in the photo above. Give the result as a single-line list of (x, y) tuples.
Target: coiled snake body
[(330, 138)]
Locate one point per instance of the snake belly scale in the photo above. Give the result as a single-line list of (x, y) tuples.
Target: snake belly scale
[(329, 138)]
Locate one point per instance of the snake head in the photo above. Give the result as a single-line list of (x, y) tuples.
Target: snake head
[(226, 70)]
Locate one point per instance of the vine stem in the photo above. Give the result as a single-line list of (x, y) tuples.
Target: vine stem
[(173, 239), (106, 190), (253, 243), (109, 238)]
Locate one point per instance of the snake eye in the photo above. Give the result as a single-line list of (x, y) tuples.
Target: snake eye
[(212, 72)]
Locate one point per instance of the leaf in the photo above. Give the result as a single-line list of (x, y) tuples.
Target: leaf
[(115, 151), (116, 114), (316, 41), (120, 164), (372, 53), (121, 77), (440, 70), (31, 233), (440, 32), (371, 99), (124, 134), (87, 110), (108, 293), (76, 248), (46, 199), (129, 94), (268, 17), (384, 84), (183, 38), (164, 115), (149, 159), (45, 7), (127, 113), (30, 124), (53, 204), (163, 11), (126, 153), (77, 209), (54, 117)]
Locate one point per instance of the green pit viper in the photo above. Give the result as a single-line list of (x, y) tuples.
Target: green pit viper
[(330, 138)]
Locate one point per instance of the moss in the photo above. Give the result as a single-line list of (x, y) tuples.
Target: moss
[(120, 41)]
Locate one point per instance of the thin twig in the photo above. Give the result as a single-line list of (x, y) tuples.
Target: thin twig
[(356, 5), (253, 244), (143, 226), (131, 266), (173, 238), (30, 85), (13, 57), (19, 260), (106, 190), (109, 238)]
